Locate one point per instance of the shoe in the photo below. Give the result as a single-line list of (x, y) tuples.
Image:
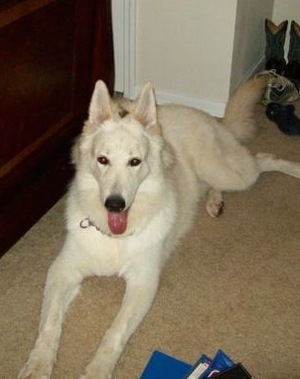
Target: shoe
[(275, 39), (292, 70), (285, 118), (279, 89)]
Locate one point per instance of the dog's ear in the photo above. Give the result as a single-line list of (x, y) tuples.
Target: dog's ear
[(145, 109), (100, 106)]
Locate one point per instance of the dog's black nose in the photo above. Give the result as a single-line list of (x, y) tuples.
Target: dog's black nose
[(115, 203)]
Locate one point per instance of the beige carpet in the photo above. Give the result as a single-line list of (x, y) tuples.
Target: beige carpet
[(233, 284)]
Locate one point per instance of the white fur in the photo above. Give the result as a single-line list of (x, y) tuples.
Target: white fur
[(183, 153)]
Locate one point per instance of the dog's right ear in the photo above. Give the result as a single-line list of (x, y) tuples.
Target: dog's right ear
[(100, 106), (145, 109)]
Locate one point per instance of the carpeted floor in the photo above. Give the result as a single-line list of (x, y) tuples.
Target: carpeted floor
[(234, 284)]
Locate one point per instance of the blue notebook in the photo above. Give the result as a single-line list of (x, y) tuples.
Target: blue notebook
[(160, 364)]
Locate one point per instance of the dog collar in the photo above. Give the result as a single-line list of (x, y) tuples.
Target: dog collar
[(87, 223)]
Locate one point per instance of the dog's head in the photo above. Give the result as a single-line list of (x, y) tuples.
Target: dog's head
[(121, 154)]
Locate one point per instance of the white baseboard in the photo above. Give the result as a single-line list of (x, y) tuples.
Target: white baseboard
[(259, 66), (214, 108), (256, 68)]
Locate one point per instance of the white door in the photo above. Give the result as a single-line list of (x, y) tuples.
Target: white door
[(124, 35)]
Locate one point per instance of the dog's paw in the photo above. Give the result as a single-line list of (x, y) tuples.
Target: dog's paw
[(98, 376), (215, 203), (98, 369), (95, 374), (35, 369), (33, 375)]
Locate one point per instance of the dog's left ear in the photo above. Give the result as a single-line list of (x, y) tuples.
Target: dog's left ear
[(145, 109), (100, 106)]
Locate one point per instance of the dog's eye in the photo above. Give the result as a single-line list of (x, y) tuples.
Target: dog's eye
[(103, 160), (134, 162)]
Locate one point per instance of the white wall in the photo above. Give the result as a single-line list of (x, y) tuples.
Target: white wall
[(286, 10), (197, 52), (185, 49), (249, 40)]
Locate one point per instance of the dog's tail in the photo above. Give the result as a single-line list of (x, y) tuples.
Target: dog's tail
[(239, 113)]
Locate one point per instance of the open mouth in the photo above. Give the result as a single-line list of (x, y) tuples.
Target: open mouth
[(117, 221)]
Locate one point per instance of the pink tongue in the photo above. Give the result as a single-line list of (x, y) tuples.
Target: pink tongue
[(117, 222)]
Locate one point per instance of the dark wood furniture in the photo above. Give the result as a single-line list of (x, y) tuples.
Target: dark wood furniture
[(51, 54)]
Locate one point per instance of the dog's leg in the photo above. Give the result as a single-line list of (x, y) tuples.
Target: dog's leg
[(139, 295), (214, 203), (264, 162), (269, 162), (62, 285)]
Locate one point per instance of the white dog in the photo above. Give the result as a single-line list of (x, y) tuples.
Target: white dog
[(140, 172)]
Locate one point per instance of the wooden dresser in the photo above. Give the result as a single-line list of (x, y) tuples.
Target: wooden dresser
[(51, 54)]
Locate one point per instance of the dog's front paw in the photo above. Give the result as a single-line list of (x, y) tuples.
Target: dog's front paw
[(95, 374), (36, 369)]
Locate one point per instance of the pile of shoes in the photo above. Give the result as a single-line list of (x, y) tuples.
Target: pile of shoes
[(279, 89), (283, 78)]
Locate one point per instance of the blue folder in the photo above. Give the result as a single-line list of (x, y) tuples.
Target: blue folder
[(162, 366)]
